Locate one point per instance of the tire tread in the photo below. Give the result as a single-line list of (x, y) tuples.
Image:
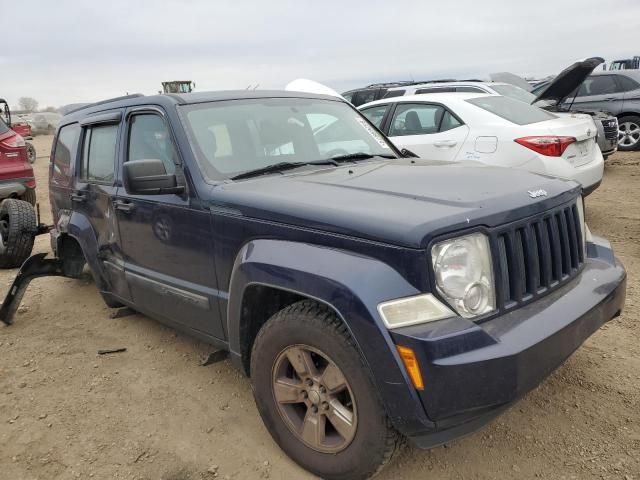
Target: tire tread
[(310, 311)]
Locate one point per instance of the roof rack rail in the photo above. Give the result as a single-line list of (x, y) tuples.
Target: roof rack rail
[(390, 84), (108, 100)]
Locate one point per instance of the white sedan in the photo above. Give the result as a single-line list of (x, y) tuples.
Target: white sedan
[(492, 129)]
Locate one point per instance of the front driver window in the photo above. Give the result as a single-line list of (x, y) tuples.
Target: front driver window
[(149, 138)]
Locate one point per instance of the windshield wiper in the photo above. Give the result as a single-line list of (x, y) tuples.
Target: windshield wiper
[(281, 167), (358, 156)]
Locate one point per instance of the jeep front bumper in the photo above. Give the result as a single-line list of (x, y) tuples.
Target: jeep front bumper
[(472, 372)]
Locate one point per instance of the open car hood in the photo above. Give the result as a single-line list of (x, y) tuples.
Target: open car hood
[(568, 80), (511, 78), (310, 86)]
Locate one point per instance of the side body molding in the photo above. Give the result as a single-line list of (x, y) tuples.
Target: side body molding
[(352, 285)]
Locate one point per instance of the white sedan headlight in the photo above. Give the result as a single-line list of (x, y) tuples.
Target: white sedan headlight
[(464, 274)]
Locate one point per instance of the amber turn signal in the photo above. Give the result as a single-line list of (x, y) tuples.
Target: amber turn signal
[(411, 364)]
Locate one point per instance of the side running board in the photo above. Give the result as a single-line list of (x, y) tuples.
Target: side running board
[(34, 267)]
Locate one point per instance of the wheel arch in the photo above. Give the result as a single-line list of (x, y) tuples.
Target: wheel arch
[(350, 284), (628, 114), (75, 231)]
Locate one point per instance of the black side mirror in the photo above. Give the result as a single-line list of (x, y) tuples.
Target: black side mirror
[(407, 153), (149, 177)]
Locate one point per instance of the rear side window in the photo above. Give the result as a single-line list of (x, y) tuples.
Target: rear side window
[(627, 83), (347, 96), (363, 96), (394, 93), (449, 122), (64, 154), (470, 90), (99, 153), (598, 85), (513, 110), (435, 90), (3, 127), (376, 114)]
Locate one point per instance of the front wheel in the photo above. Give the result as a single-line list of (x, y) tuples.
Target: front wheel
[(628, 133), (316, 397)]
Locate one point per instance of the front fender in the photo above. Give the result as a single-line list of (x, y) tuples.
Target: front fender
[(352, 285)]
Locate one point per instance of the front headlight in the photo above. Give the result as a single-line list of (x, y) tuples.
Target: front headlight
[(464, 274)]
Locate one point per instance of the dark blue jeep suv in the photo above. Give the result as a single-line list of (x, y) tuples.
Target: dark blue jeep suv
[(369, 296)]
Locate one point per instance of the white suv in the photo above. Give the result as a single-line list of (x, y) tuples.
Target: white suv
[(496, 88)]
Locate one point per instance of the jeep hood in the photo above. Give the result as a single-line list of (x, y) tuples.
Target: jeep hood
[(400, 202), (568, 80)]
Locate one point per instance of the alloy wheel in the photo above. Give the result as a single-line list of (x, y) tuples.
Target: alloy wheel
[(314, 399), (628, 134)]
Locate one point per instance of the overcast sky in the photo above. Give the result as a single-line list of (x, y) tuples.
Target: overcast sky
[(78, 51)]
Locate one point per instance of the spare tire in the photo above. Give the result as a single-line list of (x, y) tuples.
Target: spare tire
[(18, 227)]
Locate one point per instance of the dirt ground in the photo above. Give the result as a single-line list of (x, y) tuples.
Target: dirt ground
[(153, 412)]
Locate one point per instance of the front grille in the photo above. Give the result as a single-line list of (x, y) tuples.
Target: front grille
[(537, 256), (610, 129)]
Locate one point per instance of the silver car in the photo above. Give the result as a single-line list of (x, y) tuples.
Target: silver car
[(45, 122), (616, 92)]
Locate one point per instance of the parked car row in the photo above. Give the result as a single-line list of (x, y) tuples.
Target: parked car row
[(611, 98)]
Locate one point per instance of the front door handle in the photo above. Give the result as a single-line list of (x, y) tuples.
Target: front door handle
[(78, 197), (445, 143), (123, 206)]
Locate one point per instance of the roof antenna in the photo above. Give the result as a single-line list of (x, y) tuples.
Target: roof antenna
[(257, 85)]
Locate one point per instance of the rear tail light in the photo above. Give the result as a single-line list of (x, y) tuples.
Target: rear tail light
[(14, 141), (550, 146)]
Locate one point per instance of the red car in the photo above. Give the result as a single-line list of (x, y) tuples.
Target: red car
[(23, 129), (16, 173)]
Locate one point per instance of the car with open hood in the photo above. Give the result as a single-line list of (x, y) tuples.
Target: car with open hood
[(368, 296), (511, 85), (561, 95)]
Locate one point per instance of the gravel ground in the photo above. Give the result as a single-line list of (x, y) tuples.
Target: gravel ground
[(153, 412)]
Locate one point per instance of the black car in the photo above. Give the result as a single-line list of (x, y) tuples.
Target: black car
[(369, 297)]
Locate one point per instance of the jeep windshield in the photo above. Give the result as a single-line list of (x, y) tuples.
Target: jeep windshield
[(237, 138)]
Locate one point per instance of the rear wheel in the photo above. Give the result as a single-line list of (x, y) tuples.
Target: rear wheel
[(31, 152), (628, 133), (316, 397), (17, 232)]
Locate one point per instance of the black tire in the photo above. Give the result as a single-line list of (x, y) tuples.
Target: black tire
[(31, 153), (17, 229), (629, 133), (310, 324), (29, 196)]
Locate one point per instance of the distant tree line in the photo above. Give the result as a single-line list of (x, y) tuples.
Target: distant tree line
[(30, 105)]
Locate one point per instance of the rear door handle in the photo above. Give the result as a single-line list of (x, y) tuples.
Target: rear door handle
[(123, 206), (445, 143), (78, 197)]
